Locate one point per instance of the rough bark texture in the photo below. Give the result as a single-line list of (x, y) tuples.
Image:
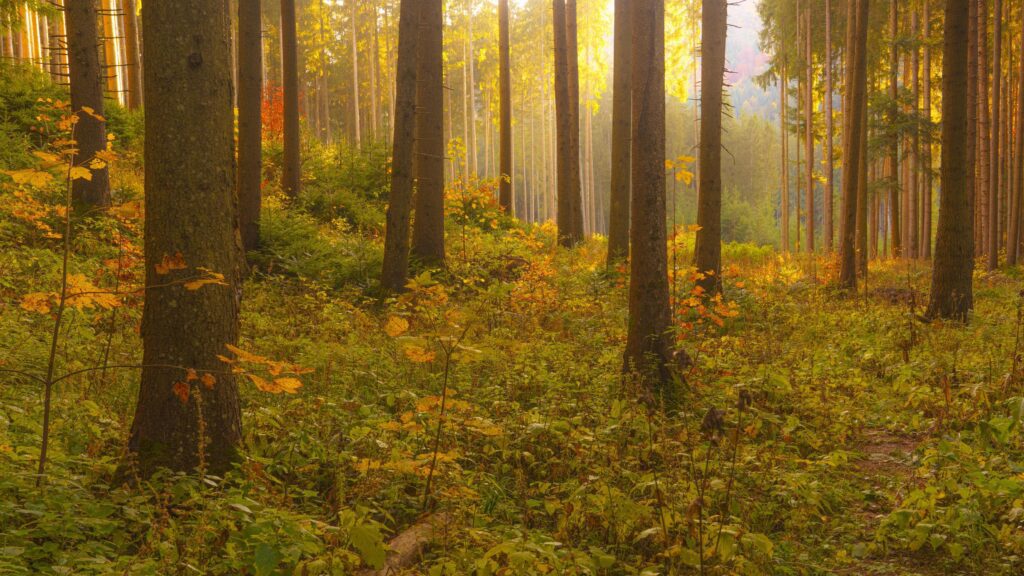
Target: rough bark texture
[(895, 200), (618, 217), (428, 227), (708, 251), (396, 238), (857, 35), (250, 121), (133, 47), (570, 210), (952, 291), (505, 92), (190, 209), (648, 345), (291, 176), (86, 78)]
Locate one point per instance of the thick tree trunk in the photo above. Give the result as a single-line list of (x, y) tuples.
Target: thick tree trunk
[(87, 93), (829, 215), (396, 239), (618, 217), (856, 68), (972, 115), (952, 291), (505, 112), (708, 250), (291, 177), (190, 212), (250, 121), (648, 345), (428, 227), (569, 215)]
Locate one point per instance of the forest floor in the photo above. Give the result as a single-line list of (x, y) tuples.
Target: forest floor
[(817, 433)]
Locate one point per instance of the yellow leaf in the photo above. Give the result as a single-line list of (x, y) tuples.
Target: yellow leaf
[(396, 326), (36, 178), (288, 385), (37, 302), (81, 173), (418, 355)]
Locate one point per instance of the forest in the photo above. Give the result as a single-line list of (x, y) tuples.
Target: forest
[(512, 287)]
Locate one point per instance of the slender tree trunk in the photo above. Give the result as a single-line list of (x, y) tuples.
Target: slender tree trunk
[(952, 291), (926, 224), (809, 132), (783, 110), (1013, 241), (291, 177), (829, 160), (997, 121), (250, 121), (428, 228), (505, 108), (856, 69), (356, 104), (573, 52), (133, 54), (862, 196), (374, 84), (895, 198), (618, 218), (972, 116), (708, 250), (191, 213), (87, 93), (569, 215), (915, 146), (648, 345), (473, 144), (983, 186)]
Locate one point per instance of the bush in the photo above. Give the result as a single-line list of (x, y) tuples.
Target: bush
[(21, 88)]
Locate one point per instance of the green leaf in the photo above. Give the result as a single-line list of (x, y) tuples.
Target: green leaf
[(266, 559), (368, 541)]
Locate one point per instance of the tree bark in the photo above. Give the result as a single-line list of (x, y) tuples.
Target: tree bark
[(1013, 229), (952, 290), (428, 227), (356, 125), (133, 46), (784, 129), (505, 112), (86, 79), (896, 227), (648, 344), (809, 131), (191, 211), (829, 216), (927, 201), (618, 218), (857, 35), (396, 238), (995, 162), (291, 177), (250, 121), (569, 216), (708, 250)]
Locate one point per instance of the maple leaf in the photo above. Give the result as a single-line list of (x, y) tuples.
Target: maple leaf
[(168, 263), (83, 294), (276, 386), (181, 390), (30, 177), (37, 302), (210, 278), (396, 326), (80, 173)]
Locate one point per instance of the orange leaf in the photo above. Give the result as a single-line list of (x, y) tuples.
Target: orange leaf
[(181, 390)]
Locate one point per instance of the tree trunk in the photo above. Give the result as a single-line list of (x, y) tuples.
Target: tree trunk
[(474, 151), (87, 92), (862, 196), (1013, 230), (784, 129), (915, 146), (569, 215), (572, 45), (856, 69), (809, 131), (396, 238), (708, 250), (291, 177), (895, 198), (505, 112), (972, 115), (995, 161), (190, 213), (250, 121), (952, 291), (983, 186), (618, 218), (428, 227), (829, 216), (354, 6), (648, 345), (926, 216), (132, 42)]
